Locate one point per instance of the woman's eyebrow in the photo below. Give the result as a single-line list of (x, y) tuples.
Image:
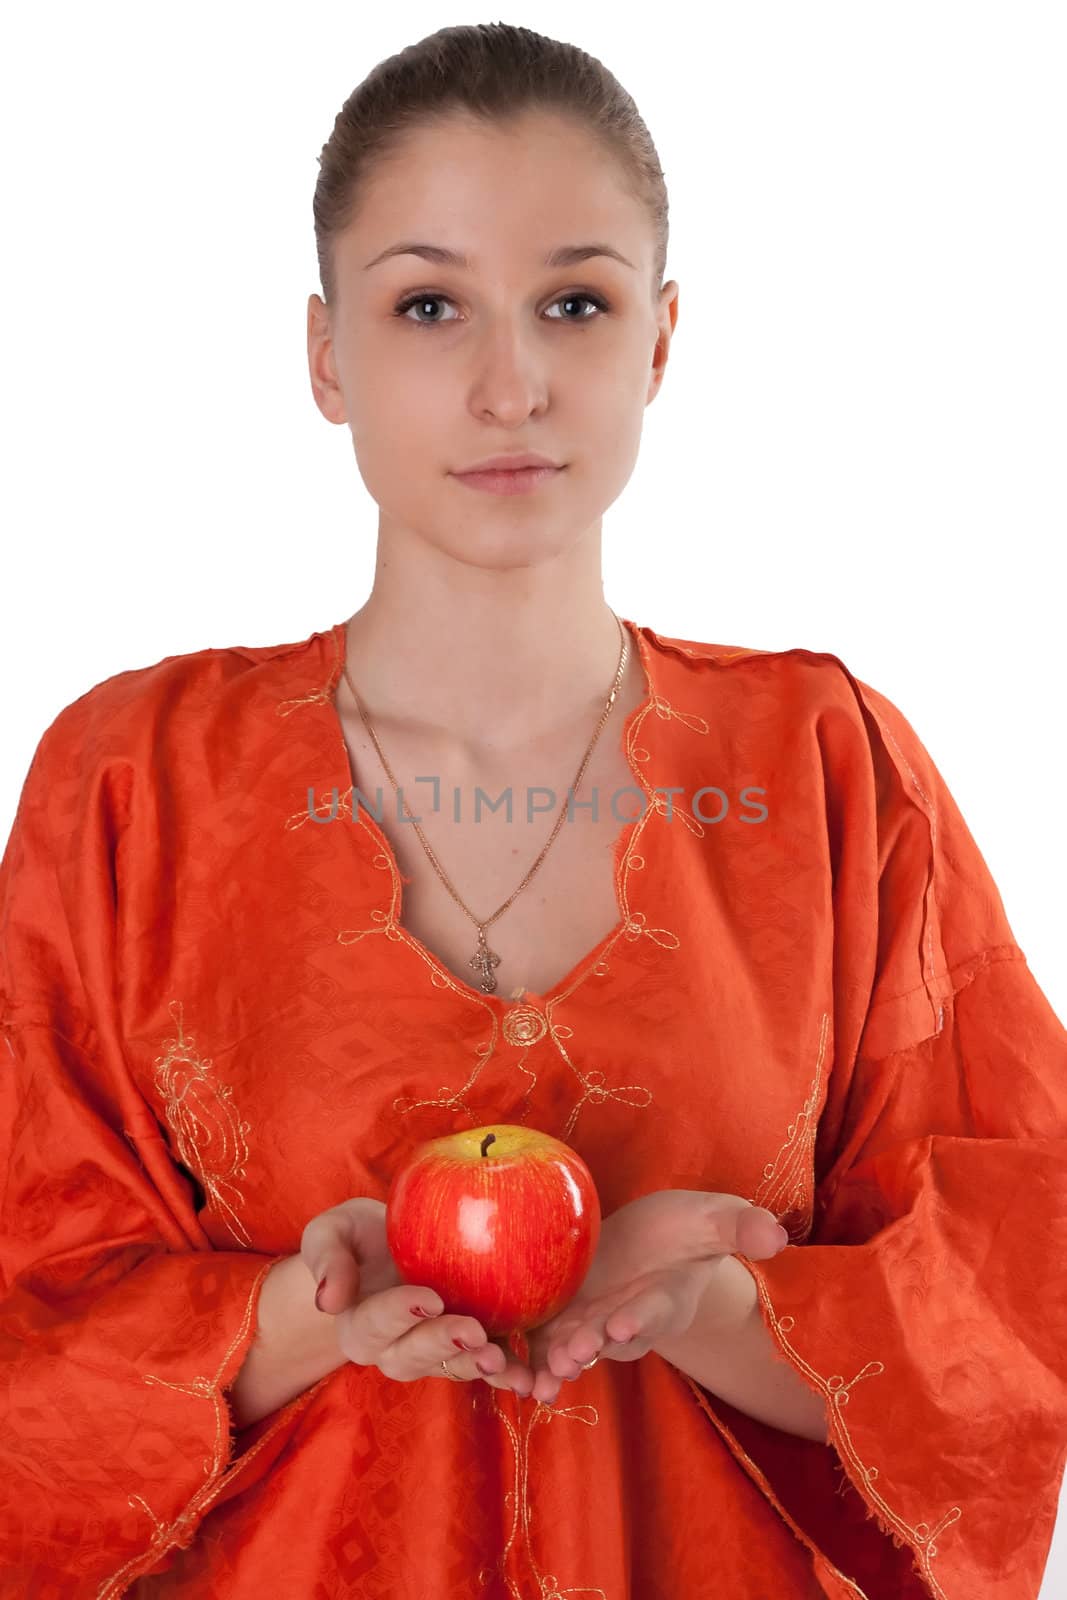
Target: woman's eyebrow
[(566, 255)]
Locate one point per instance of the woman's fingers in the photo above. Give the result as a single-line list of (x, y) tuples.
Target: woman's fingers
[(486, 1360), (388, 1330), (641, 1317), (367, 1332), (742, 1228), (501, 1370)]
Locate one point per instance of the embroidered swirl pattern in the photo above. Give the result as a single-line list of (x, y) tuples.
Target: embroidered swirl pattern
[(209, 1133)]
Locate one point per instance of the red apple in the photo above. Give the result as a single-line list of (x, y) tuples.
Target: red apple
[(501, 1221)]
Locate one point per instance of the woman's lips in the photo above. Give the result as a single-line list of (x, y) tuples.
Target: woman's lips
[(518, 480)]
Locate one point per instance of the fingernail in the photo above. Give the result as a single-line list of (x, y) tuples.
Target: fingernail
[(459, 1343), (420, 1311), (784, 1234), (318, 1292)]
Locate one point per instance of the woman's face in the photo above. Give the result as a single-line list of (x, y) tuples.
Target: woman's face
[(510, 354)]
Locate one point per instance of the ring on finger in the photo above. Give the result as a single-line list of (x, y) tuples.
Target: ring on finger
[(453, 1375)]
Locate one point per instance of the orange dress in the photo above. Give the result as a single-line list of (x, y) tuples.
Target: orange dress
[(215, 1028)]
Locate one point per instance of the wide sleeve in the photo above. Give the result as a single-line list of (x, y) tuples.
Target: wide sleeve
[(120, 1326), (927, 1300)]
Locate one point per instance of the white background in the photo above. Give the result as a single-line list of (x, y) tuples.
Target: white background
[(859, 446)]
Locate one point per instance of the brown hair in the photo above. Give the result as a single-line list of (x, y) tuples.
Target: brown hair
[(494, 71)]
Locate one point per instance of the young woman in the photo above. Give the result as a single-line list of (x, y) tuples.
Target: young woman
[(714, 921)]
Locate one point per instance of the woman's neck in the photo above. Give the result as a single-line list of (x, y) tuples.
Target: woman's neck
[(489, 676)]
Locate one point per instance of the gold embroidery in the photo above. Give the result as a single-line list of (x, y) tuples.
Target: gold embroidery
[(630, 924), (592, 1083), (837, 1392), (313, 697), (787, 1185), (319, 696), (209, 1133), (785, 1188), (518, 1500), (181, 1531), (524, 1025)]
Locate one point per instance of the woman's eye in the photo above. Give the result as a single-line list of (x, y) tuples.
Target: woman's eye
[(421, 300), (571, 299)]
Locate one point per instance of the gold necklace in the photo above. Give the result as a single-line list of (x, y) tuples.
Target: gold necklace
[(483, 958)]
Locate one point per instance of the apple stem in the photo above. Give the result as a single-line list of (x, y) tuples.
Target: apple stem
[(489, 1139)]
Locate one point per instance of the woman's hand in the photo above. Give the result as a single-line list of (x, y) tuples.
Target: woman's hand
[(655, 1260), (405, 1330)]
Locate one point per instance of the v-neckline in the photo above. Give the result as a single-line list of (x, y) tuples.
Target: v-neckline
[(339, 633)]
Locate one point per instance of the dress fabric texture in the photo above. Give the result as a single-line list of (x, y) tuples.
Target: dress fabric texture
[(215, 1027)]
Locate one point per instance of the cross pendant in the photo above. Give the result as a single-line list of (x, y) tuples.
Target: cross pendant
[(486, 959)]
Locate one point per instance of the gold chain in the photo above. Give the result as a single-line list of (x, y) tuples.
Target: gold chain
[(484, 958)]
